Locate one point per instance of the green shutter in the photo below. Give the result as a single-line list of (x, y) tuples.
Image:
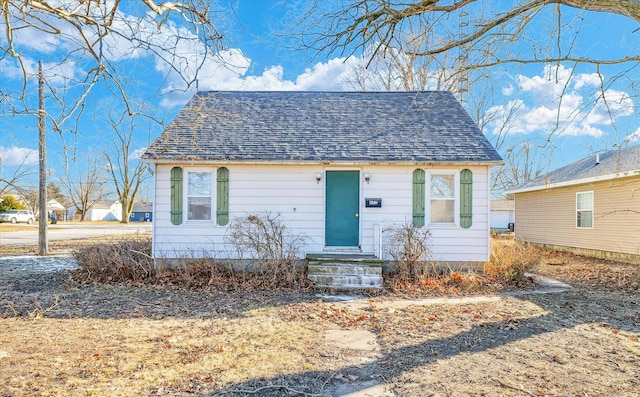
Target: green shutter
[(222, 212), (176, 195), (466, 198), (418, 198)]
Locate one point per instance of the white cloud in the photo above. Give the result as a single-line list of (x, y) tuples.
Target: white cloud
[(227, 71), (508, 90), (16, 156), (136, 154), (330, 76), (550, 84), (34, 39), (635, 137), (56, 74), (617, 104), (585, 79), (560, 102)]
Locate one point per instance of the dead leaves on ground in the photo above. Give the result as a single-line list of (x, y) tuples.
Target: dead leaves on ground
[(590, 273), (413, 321)]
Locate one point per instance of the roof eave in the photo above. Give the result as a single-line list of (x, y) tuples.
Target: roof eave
[(322, 162), (599, 178)]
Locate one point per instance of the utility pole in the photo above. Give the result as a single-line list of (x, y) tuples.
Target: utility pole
[(43, 248)]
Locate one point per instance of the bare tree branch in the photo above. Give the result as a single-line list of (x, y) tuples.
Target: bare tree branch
[(88, 32), (126, 177), (85, 185)]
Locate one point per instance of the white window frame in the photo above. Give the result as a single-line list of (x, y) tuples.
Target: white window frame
[(212, 197), (456, 197), (592, 209)]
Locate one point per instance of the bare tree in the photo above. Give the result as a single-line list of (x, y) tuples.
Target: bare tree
[(31, 195), (469, 38), (12, 182), (127, 173), (394, 70), (91, 33), (89, 47), (357, 24), (85, 185), (54, 192)]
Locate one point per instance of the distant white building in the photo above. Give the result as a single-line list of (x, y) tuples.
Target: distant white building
[(108, 210), (503, 213), (54, 207)]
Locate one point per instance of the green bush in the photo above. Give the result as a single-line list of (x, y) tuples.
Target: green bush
[(10, 203)]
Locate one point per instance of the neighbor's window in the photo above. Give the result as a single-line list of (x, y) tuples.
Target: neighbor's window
[(199, 196), (584, 209), (442, 198)]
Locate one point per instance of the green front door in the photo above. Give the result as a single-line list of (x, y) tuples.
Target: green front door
[(342, 224)]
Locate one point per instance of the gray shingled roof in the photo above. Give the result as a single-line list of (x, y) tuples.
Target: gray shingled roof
[(612, 162), (323, 126), (142, 206)]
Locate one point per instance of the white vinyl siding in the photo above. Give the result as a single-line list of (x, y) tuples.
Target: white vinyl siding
[(292, 193), (584, 210)]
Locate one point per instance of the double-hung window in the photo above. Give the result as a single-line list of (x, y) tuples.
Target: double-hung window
[(442, 197), (199, 193), (584, 210)]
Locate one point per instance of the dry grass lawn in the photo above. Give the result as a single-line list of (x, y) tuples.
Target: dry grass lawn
[(62, 339), (139, 356)]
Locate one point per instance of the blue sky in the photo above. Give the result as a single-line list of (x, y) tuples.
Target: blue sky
[(260, 56)]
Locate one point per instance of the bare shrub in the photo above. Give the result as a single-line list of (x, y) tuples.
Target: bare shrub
[(225, 276), (263, 238), (511, 260), (124, 260), (266, 241), (414, 273), (408, 247)]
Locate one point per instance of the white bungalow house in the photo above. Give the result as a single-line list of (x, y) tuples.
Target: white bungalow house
[(339, 168)]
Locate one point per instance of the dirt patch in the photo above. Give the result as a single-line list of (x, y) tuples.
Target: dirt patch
[(62, 338)]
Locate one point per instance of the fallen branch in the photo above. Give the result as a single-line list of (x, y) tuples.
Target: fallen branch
[(513, 387), (272, 387)]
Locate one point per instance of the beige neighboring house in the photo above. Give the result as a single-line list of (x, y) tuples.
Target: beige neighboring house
[(590, 207), (107, 210)]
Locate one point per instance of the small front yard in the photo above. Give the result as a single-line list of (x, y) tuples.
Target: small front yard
[(68, 339)]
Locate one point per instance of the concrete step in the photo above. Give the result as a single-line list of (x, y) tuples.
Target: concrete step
[(346, 282), (344, 269), (346, 275)]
